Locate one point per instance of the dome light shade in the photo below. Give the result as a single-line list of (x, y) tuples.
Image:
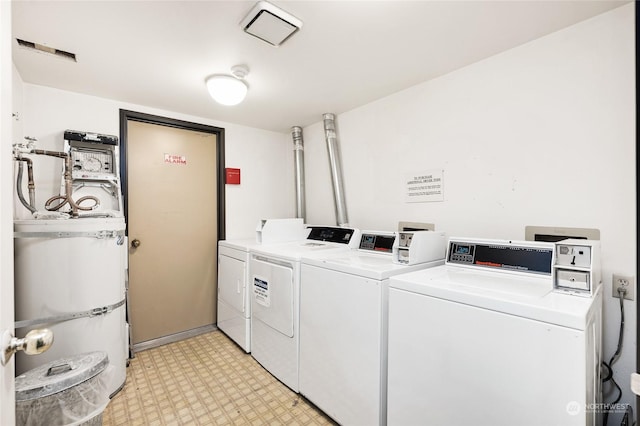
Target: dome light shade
[(226, 89)]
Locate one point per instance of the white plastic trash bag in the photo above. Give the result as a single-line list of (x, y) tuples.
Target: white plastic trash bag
[(68, 391)]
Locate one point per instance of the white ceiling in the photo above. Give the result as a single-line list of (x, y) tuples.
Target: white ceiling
[(348, 53)]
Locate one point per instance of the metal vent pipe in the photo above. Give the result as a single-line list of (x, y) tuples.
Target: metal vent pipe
[(298, 151), (336, 170)]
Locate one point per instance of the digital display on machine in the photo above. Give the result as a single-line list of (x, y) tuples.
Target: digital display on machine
[(333, 235), (463, 249), (373, 242), (503, 257)]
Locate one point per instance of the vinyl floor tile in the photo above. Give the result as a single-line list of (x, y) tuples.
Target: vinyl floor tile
[(205, 380)]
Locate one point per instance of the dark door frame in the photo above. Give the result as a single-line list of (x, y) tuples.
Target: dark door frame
[(126, 115)]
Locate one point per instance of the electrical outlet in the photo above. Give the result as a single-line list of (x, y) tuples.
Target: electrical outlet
[(625, 282)]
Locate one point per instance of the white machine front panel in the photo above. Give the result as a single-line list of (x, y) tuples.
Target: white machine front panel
[(272, 299), (232, 283), (235, 325), (342, 344), (234, 303), (455, 364), (277, 353), (274, 317)]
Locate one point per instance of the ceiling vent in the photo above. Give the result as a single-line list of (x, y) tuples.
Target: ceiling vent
[(270, 23), (46, 49)]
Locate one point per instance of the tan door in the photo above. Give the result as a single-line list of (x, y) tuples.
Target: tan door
[(172, 213)]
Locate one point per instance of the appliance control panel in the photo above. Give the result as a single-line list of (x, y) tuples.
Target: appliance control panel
[(334, 234), (502, 255), (462, 252), (377, 242)]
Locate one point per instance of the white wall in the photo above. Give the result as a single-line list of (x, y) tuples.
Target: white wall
[(16, 102), (543, 134), (7, 372), (266, 189)]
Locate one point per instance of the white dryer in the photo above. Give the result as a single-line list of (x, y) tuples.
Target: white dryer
[(275, 275), (234, 290), (506, 333), (343, 322), (234, 303)]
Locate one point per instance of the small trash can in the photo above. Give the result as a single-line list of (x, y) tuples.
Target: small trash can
[(68, 391)]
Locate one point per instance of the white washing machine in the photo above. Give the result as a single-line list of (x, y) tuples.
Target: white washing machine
[(343, 323), (234, 301), (275, 275), (506, 333)]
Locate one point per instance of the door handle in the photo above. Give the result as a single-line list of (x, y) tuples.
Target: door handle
[(135, 243), (34, 343)]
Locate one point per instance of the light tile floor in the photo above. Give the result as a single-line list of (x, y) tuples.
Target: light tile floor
[(205, 380)]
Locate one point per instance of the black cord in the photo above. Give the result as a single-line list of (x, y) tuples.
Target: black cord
[(614, 358)]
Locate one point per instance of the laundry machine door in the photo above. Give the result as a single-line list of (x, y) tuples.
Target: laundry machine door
[(231, 282), (273, 294)]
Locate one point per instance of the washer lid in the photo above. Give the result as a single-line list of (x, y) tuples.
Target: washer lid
[(59, 375), (527, 296)]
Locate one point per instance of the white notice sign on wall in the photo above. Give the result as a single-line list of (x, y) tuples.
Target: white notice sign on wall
[(424, 186)]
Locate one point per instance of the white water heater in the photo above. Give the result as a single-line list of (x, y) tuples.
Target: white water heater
[(70, 269)]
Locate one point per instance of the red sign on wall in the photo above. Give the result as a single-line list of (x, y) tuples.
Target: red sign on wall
[(232, 176)]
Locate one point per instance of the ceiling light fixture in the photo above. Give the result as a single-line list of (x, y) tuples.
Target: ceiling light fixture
[(270, 23), (229, 89)]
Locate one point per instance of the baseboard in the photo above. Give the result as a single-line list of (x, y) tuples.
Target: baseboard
[(142, 346)]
